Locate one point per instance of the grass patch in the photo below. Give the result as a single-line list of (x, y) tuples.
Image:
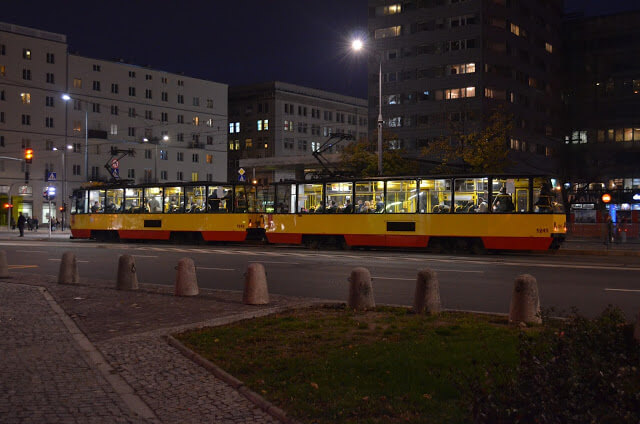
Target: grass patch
[(331, 365)]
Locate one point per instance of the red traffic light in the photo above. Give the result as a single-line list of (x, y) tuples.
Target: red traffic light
[(28, 155), (8, 205), (606, 198)]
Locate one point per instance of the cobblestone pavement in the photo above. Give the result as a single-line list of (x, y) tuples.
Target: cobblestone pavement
[(46, 379)]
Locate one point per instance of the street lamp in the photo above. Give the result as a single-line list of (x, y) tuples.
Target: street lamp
[(64, 181), (155, 158), (66, 98), (358, 45)]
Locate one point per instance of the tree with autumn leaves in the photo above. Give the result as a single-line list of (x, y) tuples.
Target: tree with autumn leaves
[(482, 151)]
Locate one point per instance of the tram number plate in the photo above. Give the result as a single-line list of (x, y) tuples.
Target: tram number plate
[(542, 230), (240, 226), (152, 223)]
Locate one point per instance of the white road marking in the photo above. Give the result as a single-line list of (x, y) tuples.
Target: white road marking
[(623, 290), (144, 256), (22, 266), (58, 260), (275, 262), (31, 251), (215, 269), (392, 278)]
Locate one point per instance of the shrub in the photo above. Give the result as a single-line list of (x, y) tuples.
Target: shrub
[(575, 371)]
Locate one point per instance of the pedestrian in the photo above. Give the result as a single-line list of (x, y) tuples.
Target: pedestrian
[(21, 221), (30, 224), (35, 223), (609, 229)]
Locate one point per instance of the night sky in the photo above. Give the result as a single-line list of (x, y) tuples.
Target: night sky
[(235, 42)]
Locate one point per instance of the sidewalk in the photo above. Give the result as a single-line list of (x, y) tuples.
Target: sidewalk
[(41, 234), (90, 353)]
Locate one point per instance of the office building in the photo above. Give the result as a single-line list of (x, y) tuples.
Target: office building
[(447, 64), (274, 127)]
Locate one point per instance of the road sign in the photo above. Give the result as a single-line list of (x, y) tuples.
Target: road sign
[(241, 171), (116, 173), (115, 164), (242, 178), (51, 176)]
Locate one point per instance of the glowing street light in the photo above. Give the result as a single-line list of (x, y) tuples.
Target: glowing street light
[(357, 45)]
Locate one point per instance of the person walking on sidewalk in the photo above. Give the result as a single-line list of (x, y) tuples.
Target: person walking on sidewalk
[(21, 221)]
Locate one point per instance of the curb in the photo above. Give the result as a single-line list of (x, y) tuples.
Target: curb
[(252, 396), (584, 252)]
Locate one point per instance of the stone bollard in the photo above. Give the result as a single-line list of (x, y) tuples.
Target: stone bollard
[(427, 296), (127, 279), (186, 279), (4, 266), (636, 333), (360, 290), (255, 286), (68, 273), (525, 303)]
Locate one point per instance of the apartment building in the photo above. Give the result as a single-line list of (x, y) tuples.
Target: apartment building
[(274, 128), (174, 126), (447, 64)]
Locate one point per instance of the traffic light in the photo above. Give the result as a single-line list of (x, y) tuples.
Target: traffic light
[(8, 205), (63, 208), (28, 155)]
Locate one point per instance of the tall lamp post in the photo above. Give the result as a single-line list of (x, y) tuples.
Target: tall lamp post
[(64, 181), (165, 138), (357, 45), (66, 98)]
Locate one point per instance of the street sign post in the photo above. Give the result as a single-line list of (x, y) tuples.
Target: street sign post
[(241, 176)]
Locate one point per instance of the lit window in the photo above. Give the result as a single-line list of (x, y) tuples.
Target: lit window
[(26, 98), (77, 83), (391, 9), (265, 125), (114, 129), (196, 121), (26, 54), (548, 47), (260, 125), (194, 176), (248, 143), (389, 32), (231, 128), (209, 158)]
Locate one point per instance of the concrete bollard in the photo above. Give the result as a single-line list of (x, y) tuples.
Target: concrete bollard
[(636, 333), (360, 290), (255, 286), (127, 278), (68, 273), (186, 279), (4, 266), (525, 302), (427, 296)]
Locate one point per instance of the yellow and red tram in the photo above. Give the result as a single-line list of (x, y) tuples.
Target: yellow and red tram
[(442, 213)]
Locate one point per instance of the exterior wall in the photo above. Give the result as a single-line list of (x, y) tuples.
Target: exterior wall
[(603, 100), (196, 126), (29, 124), (422, 71), (312, 114)]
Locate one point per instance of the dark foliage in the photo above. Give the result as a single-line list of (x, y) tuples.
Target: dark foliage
[(575, 371)]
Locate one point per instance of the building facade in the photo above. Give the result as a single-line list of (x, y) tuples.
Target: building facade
[(602, 149), (172, 127), (447, 64), (274, 127)]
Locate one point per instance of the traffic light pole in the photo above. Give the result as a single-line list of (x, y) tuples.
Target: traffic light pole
[(50, 222)]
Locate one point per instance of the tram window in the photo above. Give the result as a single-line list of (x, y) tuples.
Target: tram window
[(96, 200), (283, 198), (547, 198), (220, 199), (435, 196), (402, 196), (265, 198), (196, 197), (471, 195), (369, 197), (339, 197), (240, 202), (133, 200), (79, 204), (115, 197), (510, 195), (310, 198), (173, 200), (153, 197), (252, 198)]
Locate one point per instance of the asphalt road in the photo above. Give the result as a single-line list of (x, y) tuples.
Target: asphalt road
[(478, 283)]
